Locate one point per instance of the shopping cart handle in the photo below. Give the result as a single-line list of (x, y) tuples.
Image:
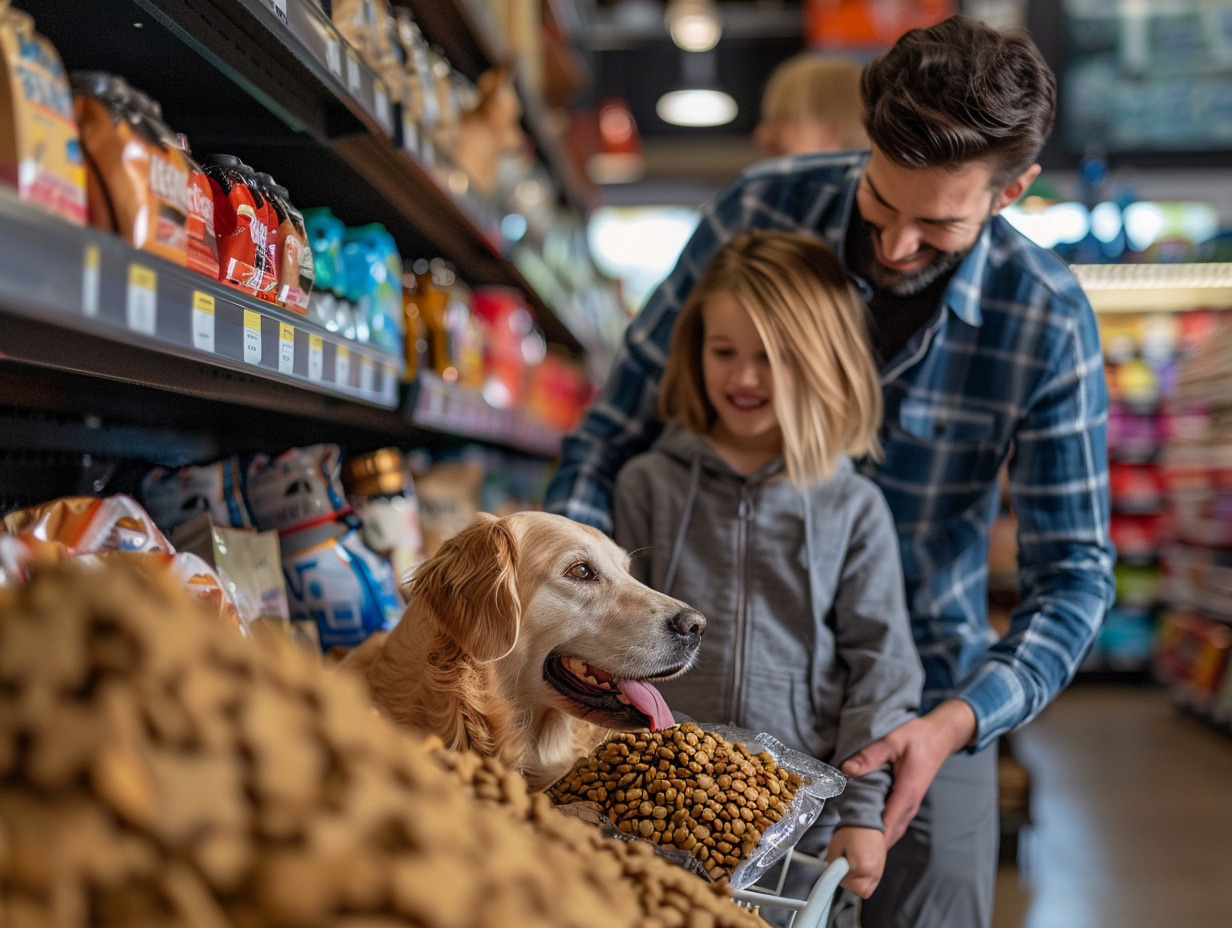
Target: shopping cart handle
[(817, 908)]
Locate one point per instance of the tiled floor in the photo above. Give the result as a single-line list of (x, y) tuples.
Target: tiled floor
[(1132, 810)]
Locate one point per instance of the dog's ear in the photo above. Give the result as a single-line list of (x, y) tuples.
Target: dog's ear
[(470, 585)]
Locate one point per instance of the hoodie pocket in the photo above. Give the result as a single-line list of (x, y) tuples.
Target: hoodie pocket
[(780, 705)]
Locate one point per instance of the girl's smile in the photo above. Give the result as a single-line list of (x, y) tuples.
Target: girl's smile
[(739, 385)]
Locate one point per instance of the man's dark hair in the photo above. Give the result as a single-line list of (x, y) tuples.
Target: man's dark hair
[(960, 92)]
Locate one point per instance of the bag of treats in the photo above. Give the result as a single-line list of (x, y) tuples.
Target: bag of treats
[(736, 800)]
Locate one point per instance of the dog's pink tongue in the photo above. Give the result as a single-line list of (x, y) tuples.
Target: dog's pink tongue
[(649, 701)]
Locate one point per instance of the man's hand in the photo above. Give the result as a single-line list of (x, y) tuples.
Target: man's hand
[(865, 850), (916, 750)]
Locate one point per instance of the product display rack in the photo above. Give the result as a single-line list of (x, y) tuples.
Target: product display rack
[(99, 358)]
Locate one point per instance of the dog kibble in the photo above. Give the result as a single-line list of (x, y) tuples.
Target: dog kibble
[(266, 791), (719, 798)]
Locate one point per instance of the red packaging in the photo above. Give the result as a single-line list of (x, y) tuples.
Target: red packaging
[(292, 248), (239, 224), (269, 217), (202, 241)]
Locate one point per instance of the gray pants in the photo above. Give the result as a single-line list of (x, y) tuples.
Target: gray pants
[(942, 872)]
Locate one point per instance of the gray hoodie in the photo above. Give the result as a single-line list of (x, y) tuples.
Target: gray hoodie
[(808, 637)]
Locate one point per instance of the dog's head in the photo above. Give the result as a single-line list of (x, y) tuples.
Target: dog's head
[(550, 605)]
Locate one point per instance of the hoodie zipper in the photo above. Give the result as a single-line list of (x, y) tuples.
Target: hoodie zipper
[(743, 522)]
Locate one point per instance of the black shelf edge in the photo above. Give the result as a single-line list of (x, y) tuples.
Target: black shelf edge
[(112, 294)]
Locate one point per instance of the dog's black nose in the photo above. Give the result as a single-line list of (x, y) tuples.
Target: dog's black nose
[(688, 623)]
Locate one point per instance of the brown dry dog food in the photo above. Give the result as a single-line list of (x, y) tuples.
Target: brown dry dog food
[(158, 769), (670, 896), (684, 787)]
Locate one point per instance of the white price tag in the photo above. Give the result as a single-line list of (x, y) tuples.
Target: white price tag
[(90, 280), (366, 371), (203, 321), (280, 10), (342, 366), (316, 357), (252, 336), (389, 387), (286, 348), (352, 71), (333, 54), (141, 304), (410, 134), (380, 99)]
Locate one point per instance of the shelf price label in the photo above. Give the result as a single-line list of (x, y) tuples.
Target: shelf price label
[(380, 100), (352, 71), (203, 321), (316, 357), (252, 336), (342, 366), (367, 370), (389, 386), (410, 132), (333, 53), (280, 10), (286, 348), (91, 270), (141, 302)]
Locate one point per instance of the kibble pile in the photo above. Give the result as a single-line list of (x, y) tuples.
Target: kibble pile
[(684, 787), (156, 769), (669, 895)]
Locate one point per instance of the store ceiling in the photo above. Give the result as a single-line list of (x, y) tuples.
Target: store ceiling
[(634, 58)]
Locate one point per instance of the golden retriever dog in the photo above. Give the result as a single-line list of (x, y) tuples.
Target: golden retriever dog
[(526, 639)]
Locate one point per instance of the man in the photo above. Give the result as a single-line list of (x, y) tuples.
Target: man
[(989, 352)]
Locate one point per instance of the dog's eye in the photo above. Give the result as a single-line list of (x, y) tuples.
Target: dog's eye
[(582, 571)]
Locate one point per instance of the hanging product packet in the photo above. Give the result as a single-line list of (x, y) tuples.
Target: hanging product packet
[(240, 224), (374, 284), (40, 148), (291, 244), (328, 304), (137, 181)]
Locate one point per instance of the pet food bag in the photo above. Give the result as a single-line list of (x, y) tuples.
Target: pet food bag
[(734, 800), (173, 497), (333, 579)]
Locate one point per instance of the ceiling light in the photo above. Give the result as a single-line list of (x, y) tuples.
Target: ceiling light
[(696, 108), (694, 25)]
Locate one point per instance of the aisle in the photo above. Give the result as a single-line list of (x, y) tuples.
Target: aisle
[(1132, 808)]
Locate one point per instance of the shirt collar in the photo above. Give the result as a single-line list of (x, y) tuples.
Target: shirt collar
[(962, 296)]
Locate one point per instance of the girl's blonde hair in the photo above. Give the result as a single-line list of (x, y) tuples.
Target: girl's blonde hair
[(813, 88), (813, 326)]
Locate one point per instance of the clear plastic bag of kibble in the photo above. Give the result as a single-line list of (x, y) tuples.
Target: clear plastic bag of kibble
[(594, 778), (818, 782)]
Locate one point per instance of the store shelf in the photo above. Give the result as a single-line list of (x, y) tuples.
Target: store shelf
[(468, 37), (236, 77), (461, 411), (97, 285), (1133, 288)]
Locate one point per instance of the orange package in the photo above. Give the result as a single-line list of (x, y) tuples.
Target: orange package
[(138, 183), (89, 525), (40, 150)]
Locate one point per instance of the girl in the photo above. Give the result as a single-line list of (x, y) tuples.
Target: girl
[(749, 509)]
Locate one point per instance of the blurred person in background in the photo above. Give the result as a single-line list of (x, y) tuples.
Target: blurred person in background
[(811, 104)]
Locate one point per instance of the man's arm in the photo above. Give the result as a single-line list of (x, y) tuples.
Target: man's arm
[(1059, 490), (1059, 487)]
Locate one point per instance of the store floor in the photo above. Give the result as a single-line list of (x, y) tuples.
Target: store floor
[(1132, 817)]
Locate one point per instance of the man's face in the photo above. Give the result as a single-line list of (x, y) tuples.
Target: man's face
[(922, 221)]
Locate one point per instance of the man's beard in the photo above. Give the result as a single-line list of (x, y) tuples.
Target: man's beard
[(863, 261)]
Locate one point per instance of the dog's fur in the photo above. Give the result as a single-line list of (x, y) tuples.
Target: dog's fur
[(475, 655)]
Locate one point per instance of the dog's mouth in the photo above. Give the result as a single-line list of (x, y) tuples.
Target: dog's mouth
[(601, 697)]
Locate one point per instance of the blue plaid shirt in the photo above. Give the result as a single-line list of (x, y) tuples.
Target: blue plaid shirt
[(1010, 367)]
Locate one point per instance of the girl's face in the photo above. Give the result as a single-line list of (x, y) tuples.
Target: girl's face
[(736, 370)]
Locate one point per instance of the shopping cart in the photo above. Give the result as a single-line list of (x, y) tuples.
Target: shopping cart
[(812, 912)]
